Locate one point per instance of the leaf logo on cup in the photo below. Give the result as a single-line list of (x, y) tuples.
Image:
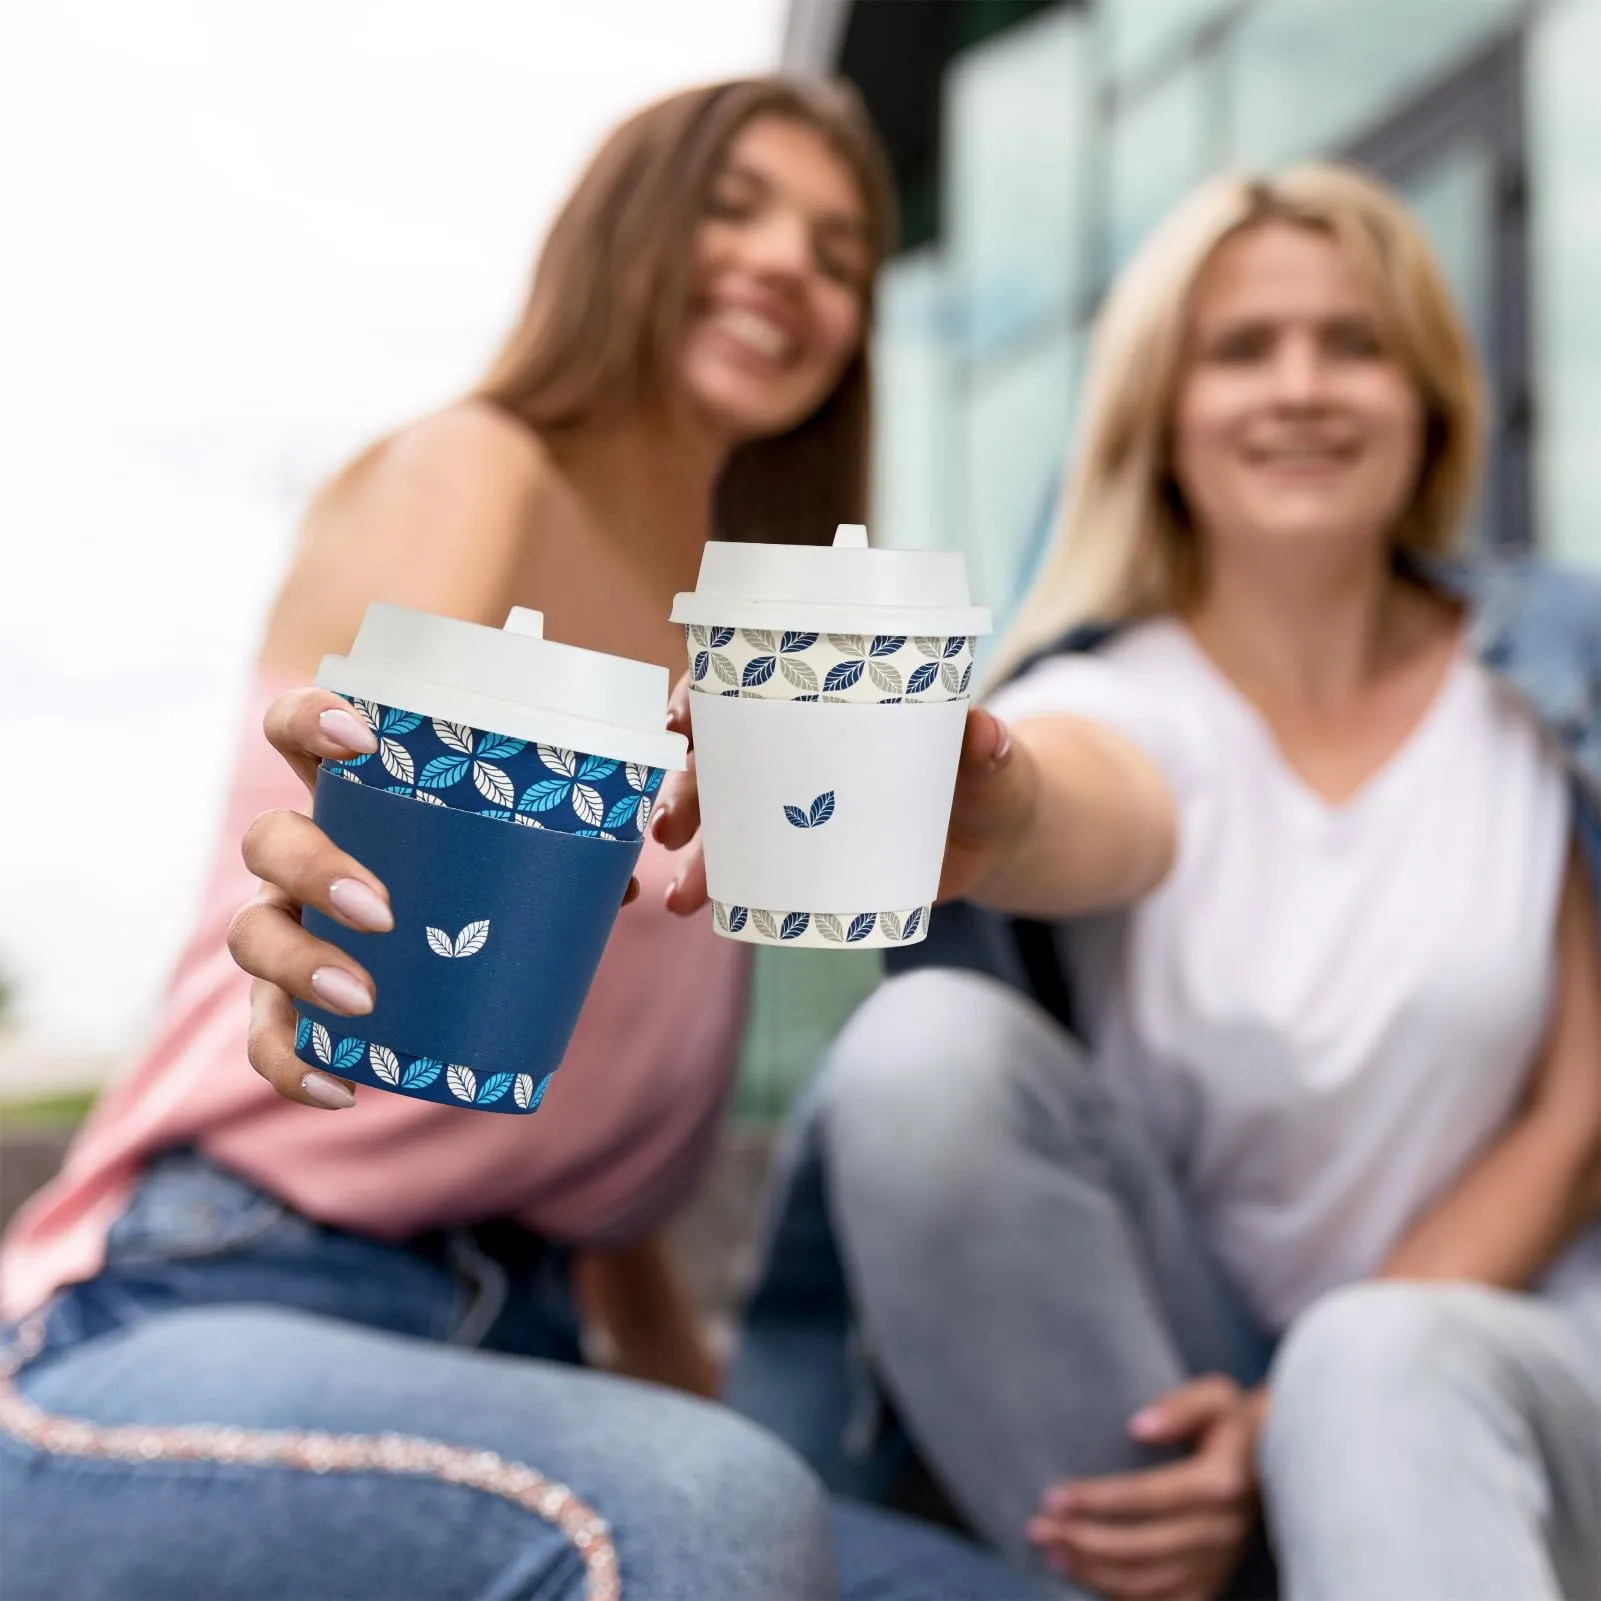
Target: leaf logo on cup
[(468, 942), (815, 815)]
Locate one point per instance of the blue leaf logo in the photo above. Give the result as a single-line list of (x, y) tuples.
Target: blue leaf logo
[(860, 927), (922, 677), (721, 637), (623, 810), (347, 1054), (498, 748), (399, 722), (443, 771), (737, 916), (955, 645), (757, 671), (595, 768), (545, 796), (698, 672), (793, 642), (913, 923), (886, 644), (421, 1073), (842, 676), (815, 815), (493, 1088), (794, 925), (303, 1034)]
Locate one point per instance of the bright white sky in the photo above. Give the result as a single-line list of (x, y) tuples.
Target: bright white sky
[(240, 240)]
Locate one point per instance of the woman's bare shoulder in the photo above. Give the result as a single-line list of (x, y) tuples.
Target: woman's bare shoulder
[(470, 446)]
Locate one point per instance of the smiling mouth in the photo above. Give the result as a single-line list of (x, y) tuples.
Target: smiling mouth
[(758, 334), (1303, 458)]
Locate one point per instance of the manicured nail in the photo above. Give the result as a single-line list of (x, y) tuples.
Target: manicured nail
[(672, 890), (323, 1091), (347, 731), (658, 820), (360, 906), (1144, 1424), (1004, 749), (340, 991)]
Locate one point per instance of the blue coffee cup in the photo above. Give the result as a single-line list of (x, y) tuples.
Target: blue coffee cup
[(498, 927)]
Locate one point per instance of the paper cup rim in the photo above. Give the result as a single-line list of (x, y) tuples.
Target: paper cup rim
[(536, 724), (711, 610)]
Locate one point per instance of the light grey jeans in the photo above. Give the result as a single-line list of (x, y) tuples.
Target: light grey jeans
[(1027, 1276)]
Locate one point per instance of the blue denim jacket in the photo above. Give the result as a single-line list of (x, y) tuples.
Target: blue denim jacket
[(799, 1367)]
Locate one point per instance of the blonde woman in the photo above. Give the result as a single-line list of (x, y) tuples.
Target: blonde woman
[(289, 1343), (1303, 1221)]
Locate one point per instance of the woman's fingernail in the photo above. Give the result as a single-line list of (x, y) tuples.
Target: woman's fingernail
[(672, 890), (347, 731), (360, 906), (1144, 1424), (340, 991), (323, 1091), (659, 818), (1004, 749)]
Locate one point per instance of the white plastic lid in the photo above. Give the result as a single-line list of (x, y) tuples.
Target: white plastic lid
[(843, 588), (511, 681)]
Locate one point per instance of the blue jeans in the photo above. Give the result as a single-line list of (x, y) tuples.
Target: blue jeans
[(245, 1404), (1004, 1252)]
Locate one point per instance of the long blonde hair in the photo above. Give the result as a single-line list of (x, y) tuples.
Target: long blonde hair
[(1123, 546), (599, 334)]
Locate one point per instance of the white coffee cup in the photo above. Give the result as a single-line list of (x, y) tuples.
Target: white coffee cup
[(829, 690)]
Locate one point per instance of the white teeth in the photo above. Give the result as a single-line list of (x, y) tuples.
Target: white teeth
[(755, 330)]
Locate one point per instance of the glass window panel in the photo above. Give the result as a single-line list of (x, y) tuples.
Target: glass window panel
[(1565, 153), (1309, 76), (1018, 417), (1160, 148), (1017, 118), (1137, 34), (914, 418)]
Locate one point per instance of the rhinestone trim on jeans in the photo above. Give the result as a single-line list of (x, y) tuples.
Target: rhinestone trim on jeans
[(311, 1451)]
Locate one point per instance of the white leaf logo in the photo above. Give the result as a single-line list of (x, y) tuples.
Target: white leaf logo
[(321, 1044), (385, 1065), (426, 798), (588, 804), (468, 942), (644, 814), (523, 1090), (453, 736), (463, 1082), (638, 775), (493, 784), (558, 760), (368, 711), (397, 760), (525, 820)]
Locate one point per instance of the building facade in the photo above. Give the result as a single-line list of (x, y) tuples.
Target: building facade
[(1055, 136)]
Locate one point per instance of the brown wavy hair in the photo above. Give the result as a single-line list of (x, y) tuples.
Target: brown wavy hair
[(600, 334)]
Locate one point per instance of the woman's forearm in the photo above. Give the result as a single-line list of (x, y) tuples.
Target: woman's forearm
[(1529, 1193), (637, 1297), (1510, 1213), (1092, 824)]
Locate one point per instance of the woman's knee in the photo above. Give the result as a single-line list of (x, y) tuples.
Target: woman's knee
[(931, 1086), (1368, 1356)]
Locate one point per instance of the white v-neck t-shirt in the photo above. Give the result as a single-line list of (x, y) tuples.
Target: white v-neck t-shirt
[(1324, 1012)]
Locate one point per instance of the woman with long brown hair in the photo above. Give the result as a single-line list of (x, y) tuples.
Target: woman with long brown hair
[(265, 1350)]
